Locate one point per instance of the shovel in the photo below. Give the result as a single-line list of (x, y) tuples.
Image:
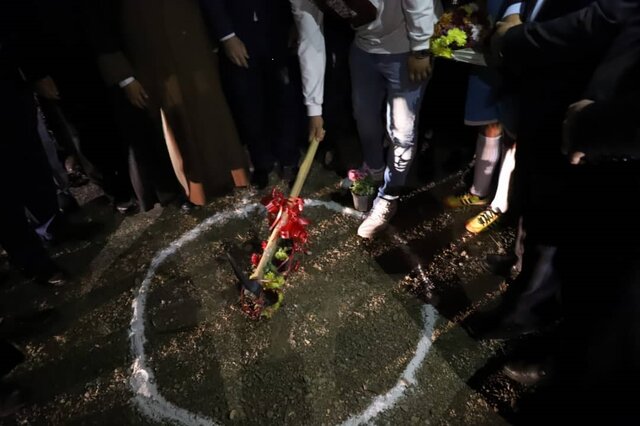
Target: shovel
[(253, 284)]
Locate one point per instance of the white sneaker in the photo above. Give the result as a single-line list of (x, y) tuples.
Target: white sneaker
[(377, 175), (379, 217)]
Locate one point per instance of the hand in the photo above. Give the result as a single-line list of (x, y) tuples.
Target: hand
[(506, 24), (316, 128), (136, 94), (575, 157), (495, 43), (47, 88), (236, 51), (577, 107), (419, 68)]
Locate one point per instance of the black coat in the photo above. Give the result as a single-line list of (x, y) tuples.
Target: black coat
[(20, 41), (568, 55), (611, 126), (262, 25), (553, 60), (565, 34)]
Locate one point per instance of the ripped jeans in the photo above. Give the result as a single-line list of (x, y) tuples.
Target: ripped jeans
[(382, 88)]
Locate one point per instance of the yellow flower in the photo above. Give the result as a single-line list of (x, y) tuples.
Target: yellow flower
[(456, 36), (440, 47)]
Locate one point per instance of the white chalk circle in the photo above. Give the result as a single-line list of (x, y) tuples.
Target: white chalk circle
[(142, 381)]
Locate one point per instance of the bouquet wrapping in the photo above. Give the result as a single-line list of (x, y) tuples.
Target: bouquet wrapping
[(459, 33)]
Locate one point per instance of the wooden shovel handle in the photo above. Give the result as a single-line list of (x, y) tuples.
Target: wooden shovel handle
[(304, 169), (272, 242)]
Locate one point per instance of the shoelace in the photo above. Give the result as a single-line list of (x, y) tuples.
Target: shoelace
[(487, 216)]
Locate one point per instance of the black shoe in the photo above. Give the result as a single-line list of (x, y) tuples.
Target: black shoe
[(527, 373), (188, 207), (503, 265), (127, 207), (260, 178), (51, 277), (67, 203), (77, 179), (503, 330), (61, 230)]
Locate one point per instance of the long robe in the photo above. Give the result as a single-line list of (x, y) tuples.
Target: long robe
[(164, 45)]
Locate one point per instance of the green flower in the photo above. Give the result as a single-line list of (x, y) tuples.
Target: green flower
[(270, 310), (456, 36), (281, 254), (273, 280), (440, 47)]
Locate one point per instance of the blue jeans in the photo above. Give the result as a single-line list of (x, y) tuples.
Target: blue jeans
[(381, 84)]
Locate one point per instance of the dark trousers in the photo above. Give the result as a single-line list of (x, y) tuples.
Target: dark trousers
[(25, 177), (262, 99), (602, 236), (600, 288), (541, 186), (120, 146), (149, 165), (342, 135), (586, 240), (87, 105)]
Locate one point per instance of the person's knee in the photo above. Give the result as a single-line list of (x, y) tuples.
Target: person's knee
[(402, 126)]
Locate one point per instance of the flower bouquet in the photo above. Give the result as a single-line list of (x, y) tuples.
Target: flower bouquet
[(458, 35), (363, 190)]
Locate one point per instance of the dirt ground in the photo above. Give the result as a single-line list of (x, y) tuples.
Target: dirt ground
[(350, 343)]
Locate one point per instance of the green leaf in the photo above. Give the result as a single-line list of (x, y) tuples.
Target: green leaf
[(270, 310), (281, 254), (274, 283), (364, 186)]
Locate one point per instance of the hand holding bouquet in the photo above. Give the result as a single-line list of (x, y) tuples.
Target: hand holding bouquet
[(459, 33)]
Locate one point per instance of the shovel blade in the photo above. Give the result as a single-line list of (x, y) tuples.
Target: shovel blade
[(251, 285)]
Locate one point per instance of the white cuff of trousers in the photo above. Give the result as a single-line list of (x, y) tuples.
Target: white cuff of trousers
[(228, 36), (127, 81), (513, 10)]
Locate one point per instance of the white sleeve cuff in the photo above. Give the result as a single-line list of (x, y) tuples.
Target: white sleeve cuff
[(419, 45), (228, 36), (314, 110), (126, 82), (513, 9)]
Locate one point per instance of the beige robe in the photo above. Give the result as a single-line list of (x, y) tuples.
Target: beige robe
[(164, 44)]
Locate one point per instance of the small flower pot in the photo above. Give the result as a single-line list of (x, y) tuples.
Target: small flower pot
[(362, 203)]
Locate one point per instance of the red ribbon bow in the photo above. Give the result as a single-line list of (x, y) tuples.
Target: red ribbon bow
[(295, 229)]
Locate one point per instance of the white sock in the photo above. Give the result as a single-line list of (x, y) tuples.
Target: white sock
[(500, 201), (487, 156)]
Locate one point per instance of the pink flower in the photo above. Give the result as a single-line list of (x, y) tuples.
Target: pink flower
[(355, 175)]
